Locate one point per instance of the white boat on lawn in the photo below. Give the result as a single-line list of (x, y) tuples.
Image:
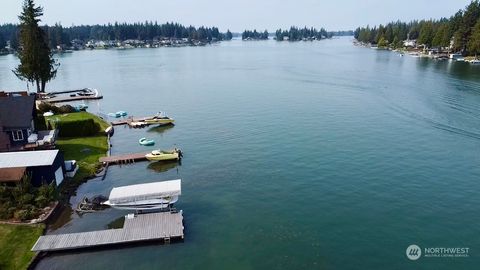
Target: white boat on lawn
[(150, 196)]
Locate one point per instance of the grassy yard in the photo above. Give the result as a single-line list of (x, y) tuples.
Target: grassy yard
[(79, 116), (15, 244), (85, 150)]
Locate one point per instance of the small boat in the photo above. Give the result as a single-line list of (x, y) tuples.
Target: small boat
[(159, 155), (121, 113), (475, 62), (81, 107), (151, 196), (116, 115), (146, 142), (160, 118)]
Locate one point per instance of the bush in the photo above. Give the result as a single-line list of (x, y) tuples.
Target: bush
[(77, 128), (41, 201), (21, 215), (48, 107)]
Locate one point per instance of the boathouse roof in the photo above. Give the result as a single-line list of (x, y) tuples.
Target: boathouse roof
[(27, 158)]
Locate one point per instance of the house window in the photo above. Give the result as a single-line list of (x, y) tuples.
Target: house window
[(17, 135)]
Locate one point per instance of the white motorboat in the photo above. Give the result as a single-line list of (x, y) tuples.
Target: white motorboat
[(150, 196)]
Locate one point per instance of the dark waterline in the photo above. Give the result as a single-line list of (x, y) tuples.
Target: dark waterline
[(315, 155)]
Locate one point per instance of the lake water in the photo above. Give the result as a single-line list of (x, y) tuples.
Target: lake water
[(313, 155)]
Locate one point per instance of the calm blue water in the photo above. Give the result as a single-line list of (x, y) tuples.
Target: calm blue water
[(315, 155)]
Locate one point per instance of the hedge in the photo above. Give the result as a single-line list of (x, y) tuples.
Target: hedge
[(76, 128)]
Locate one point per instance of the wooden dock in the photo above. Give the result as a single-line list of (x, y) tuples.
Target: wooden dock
[(123, 159), (64, 96), (164, 226), (76, 98)]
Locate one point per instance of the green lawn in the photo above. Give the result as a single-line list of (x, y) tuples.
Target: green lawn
[(79, 116), (15, 244), (85, 150)]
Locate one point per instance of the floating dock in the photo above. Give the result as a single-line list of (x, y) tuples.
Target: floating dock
[(123, 159), (64, 96), (164, 226)]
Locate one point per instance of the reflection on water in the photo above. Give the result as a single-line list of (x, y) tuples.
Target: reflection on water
[(160, 129), (164, 166)]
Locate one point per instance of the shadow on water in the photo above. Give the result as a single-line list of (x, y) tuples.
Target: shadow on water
[(164, 166), (160, 129)]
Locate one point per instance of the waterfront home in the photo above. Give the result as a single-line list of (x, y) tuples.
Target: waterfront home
[(43, 166), (410, 43), (17, 129), (17, 111)]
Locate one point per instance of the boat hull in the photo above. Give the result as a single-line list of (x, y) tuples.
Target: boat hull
[(155, 204), (163, 156), (159, 121)]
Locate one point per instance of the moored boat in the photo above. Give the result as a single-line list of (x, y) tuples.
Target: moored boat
[(160, 118), (150, 196), (159, 155)]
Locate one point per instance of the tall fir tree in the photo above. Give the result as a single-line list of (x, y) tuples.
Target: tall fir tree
[(36, 60)]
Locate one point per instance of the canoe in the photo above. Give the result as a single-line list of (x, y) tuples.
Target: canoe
[(146, 142), (159, 155)]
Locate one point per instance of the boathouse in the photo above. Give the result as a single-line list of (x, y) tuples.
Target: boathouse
[(43, 166)]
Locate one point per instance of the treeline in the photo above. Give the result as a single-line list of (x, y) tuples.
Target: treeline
[(247, 35), (296, 34), (57, 34), (460, 32), (341, 33)]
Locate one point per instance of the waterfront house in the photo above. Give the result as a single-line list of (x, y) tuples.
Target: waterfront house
[(45, 166), (412, 43), (17, 129), (17, 111)]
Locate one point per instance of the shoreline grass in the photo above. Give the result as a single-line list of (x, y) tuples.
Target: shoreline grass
[(15, 244)]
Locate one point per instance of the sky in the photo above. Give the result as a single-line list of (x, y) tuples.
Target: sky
[(240, 14)]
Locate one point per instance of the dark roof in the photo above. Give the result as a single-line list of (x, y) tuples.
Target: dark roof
[(16, 111), (12, 174)]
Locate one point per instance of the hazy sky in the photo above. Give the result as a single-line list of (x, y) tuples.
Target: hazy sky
[(238, 15)]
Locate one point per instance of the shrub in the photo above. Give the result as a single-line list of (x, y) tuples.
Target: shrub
[(41, 201), (48, 107), (21, 215), (77, 128)]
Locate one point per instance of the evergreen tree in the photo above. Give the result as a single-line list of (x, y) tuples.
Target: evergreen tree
[(228, 35), (3, 43), (36, 62), (474, 42)]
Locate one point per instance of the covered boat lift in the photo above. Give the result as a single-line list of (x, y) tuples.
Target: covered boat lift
[(145, 196)]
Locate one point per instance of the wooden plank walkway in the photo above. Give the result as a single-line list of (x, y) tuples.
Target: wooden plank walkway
[(145, 227), (123, 159)]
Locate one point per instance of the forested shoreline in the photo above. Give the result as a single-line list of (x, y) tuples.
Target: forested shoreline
[(58, 35), (459, 33)]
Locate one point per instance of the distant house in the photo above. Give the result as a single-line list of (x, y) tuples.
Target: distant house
[(43, 166), (17, 111), (410, 43)]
